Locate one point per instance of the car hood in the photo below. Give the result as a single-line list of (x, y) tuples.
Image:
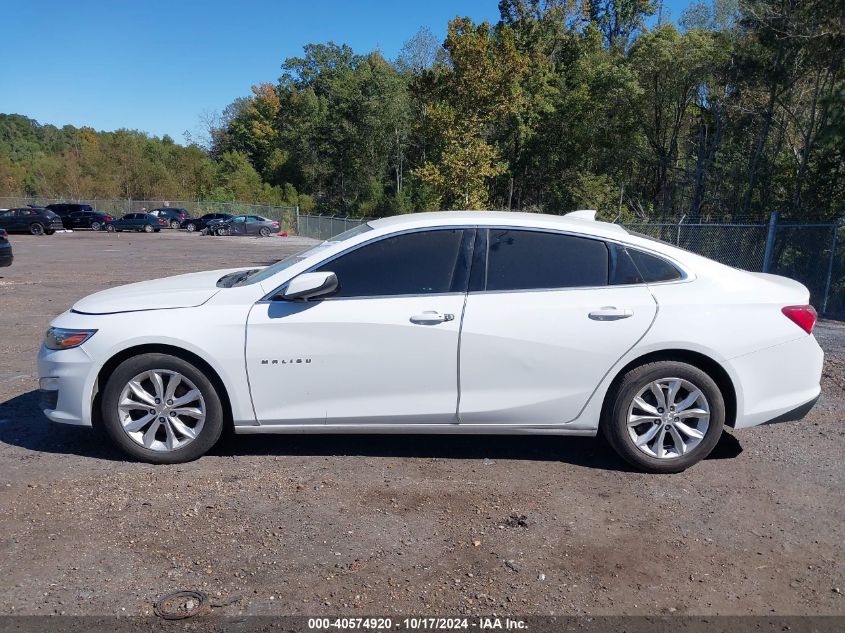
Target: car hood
[(181, 291)]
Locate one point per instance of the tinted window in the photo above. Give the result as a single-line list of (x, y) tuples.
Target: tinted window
[(622, 268), (411, 264), (653, 269), (521, 260)]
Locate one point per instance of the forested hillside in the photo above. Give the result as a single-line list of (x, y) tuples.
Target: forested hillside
[(736, 110)]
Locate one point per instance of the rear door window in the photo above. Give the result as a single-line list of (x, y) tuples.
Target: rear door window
[(520, 259)]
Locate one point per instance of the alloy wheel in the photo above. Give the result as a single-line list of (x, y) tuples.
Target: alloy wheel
[(36, 229), (95, 226), (668, 418), (161, 410)]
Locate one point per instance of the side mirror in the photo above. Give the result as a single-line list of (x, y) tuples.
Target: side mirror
[(310, 285)]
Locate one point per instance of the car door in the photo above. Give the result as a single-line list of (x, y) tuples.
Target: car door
[(7, 219), (381, 350), (547, 316), (238, 225), (74, 220)]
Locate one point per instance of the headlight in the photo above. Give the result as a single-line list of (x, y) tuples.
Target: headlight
[(60, 338)]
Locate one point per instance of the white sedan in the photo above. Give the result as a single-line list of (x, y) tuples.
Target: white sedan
[(452, 322)]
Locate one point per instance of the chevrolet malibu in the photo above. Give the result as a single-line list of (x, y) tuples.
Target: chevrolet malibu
[(452, 322)]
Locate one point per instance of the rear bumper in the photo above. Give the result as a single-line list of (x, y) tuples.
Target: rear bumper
[(777, 383), (798, 413)]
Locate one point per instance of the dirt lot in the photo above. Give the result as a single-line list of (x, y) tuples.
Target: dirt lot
[(354, 525)]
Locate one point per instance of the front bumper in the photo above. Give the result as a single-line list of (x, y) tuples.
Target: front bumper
[(6, 257), (66, 374)]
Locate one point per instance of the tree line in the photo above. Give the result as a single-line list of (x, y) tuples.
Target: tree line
[(736, 110)]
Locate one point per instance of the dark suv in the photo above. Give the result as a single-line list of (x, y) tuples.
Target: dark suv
[(175, 217), (30, 220)]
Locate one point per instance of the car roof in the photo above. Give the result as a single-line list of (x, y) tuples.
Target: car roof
[(577, 221)]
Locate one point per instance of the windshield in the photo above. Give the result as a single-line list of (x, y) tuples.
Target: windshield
[(254, 276)]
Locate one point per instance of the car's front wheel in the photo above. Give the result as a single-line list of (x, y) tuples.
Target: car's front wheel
[(110, 228), (161, 409), (190, 227), (664, 416)]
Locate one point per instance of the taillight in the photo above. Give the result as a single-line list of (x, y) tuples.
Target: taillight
[(160, 221), (802, 316), (108, 218)]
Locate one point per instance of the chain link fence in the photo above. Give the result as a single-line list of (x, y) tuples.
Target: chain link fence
[(322, 227), (286, 216), (812, 253)]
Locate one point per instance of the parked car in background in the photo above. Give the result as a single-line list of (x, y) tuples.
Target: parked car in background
[(64, 209), (137, 222), (34, 220), (464, 322), (94, 220), (198, 224), (175, 217), (6, 256), (244, 225)]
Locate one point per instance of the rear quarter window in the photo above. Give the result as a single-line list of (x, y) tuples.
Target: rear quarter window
[(652, 268)]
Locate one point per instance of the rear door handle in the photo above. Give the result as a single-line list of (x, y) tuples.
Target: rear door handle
[(431, 317), (610, 313)]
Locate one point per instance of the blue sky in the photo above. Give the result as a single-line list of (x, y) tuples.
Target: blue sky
[(155, 65)]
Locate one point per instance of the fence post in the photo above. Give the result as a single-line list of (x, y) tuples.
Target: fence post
[(830, 261), (678, 236), (770, 242), (296, 226)]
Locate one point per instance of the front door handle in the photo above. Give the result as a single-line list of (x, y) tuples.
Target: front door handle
[(431, 317), (610, 313)]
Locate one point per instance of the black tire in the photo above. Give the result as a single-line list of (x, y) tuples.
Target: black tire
[(110, 228), (49, 231), (157, 230), (614, 423), (148, 228), (190, 227), (264, 231), (96, 226), (36, 228), (174, 224), (222, 232), (128, 369)]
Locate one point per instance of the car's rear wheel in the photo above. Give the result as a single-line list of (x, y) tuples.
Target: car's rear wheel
[(36, 228), (174, 224), (148, 228), (110, 228), (96, 226), (264, 231), (222, 232), (161, 409), (664, 416), (190, 227)]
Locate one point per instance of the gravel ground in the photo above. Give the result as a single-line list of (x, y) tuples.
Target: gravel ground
[(354, 525)]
